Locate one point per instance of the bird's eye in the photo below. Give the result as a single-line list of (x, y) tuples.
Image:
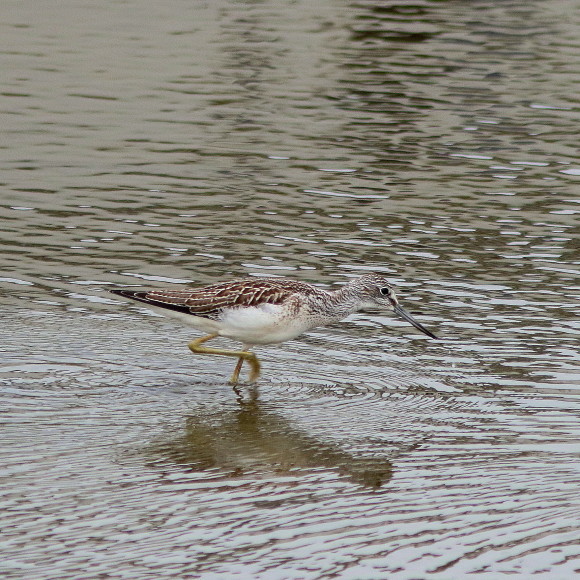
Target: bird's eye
[(385, 291)]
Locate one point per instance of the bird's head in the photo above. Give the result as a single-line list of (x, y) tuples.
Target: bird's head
[(375, 291)]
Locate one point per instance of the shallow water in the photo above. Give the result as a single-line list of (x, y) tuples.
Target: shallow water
[(180, 143)]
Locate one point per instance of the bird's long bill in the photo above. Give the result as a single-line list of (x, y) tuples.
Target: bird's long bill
[(407, 316)]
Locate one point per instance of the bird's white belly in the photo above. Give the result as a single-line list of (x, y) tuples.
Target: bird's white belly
[(264, 324)]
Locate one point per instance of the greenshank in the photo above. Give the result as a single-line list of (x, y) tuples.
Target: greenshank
[(258, 311)]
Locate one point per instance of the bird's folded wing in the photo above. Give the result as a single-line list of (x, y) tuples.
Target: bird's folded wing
[(212, 300)]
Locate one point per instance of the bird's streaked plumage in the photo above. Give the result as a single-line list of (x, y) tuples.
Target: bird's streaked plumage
[(267, 310)]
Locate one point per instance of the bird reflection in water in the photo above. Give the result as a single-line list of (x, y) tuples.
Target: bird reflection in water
[(250, 441)]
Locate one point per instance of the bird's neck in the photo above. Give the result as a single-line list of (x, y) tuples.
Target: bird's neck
[(343, 302)]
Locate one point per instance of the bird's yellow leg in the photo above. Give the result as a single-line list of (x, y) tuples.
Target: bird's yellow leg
[(196, 346), (236, 374)]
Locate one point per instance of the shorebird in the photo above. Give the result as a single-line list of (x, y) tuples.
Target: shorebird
[(259, 311)]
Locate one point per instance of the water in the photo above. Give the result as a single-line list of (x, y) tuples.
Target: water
[(173, 143)]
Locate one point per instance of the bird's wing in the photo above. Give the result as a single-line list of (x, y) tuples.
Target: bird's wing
[(211, 301)]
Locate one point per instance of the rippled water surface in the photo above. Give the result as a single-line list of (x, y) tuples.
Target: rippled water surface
[(174, 143)]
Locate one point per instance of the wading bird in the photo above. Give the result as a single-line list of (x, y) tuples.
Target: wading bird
[(258, 311)]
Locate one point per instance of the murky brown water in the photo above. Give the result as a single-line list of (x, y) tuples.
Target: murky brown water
[(163, 143)]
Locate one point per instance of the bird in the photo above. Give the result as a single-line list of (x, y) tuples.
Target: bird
[(259, 311)]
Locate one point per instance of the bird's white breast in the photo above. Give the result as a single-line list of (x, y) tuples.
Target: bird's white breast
[(263, 324)]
